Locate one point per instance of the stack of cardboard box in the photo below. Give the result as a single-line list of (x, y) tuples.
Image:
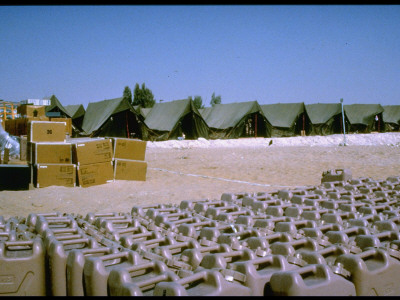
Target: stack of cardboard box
[(84, 162), (49, 155), (94, 159), (129, 159), (28, 112)]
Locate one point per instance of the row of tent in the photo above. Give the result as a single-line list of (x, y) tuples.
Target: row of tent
[(175, 119)]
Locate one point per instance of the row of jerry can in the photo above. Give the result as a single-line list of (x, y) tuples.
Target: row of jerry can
[(339, 238)]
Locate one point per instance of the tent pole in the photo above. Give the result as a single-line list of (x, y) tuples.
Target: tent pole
[(255, 121), (379, 124), (344, 126), (127, 126)]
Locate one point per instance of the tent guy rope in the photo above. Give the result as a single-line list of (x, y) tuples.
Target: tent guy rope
[(219, 178)]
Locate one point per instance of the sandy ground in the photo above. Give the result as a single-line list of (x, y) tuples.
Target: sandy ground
[(258, 170)]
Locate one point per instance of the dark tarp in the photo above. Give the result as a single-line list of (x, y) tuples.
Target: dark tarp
[(361, 117), (234, 120), (391, 117), (325, 118), (286, 119), (77, 113), (56, 106), (170, 120), (113, 118)]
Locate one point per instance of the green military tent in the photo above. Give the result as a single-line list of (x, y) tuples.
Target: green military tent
[(325, 118), (239, 119), (286, 119), (391, 117), (56, 109), (142, 111), (170, 120), (364, 118), (205, 112), (113, 118), (77, 113)]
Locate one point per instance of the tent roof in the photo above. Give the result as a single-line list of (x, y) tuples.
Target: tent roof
[(165, 115), (142, 111), (205, 111), (145, 111), (75, 111), (55, 103), (391, 113), (362, 113), (97, 113), (320, 113), (223, 116), (282, 114)]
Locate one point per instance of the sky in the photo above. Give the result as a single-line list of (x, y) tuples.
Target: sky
[(269, 53)]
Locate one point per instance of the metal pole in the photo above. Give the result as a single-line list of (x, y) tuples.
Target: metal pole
[(344, 127), (255, 127)]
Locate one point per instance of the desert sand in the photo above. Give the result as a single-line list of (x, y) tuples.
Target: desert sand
[(193, 173)]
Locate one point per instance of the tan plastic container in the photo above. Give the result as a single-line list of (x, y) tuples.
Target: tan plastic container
[(373, 272), (43, 223), (75, 263), (97, 269), (91, 217), (169, 251), (325, 256), (22, 268), (311, 280), (135, 239), (258, 271), (189, 204), (289, 248), (147, 245), (57, 261), (203, 283), (193, 229), (139, 280), (194, 256), (140, 210), (221, 260), (32, 218), (336, 175)]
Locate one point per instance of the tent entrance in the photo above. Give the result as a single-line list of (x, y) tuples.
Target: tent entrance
[(303, 123), (193, 127), (123, 124), (255, 126)]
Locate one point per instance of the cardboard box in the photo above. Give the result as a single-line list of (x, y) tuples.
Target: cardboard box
[(21, 127), (10, 126), (28, 110), (129, 148), (126, 169), (95, 174), (50, 153), (44, 131), (92, 152), (54, 174), (23, 148), (68, 121)]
